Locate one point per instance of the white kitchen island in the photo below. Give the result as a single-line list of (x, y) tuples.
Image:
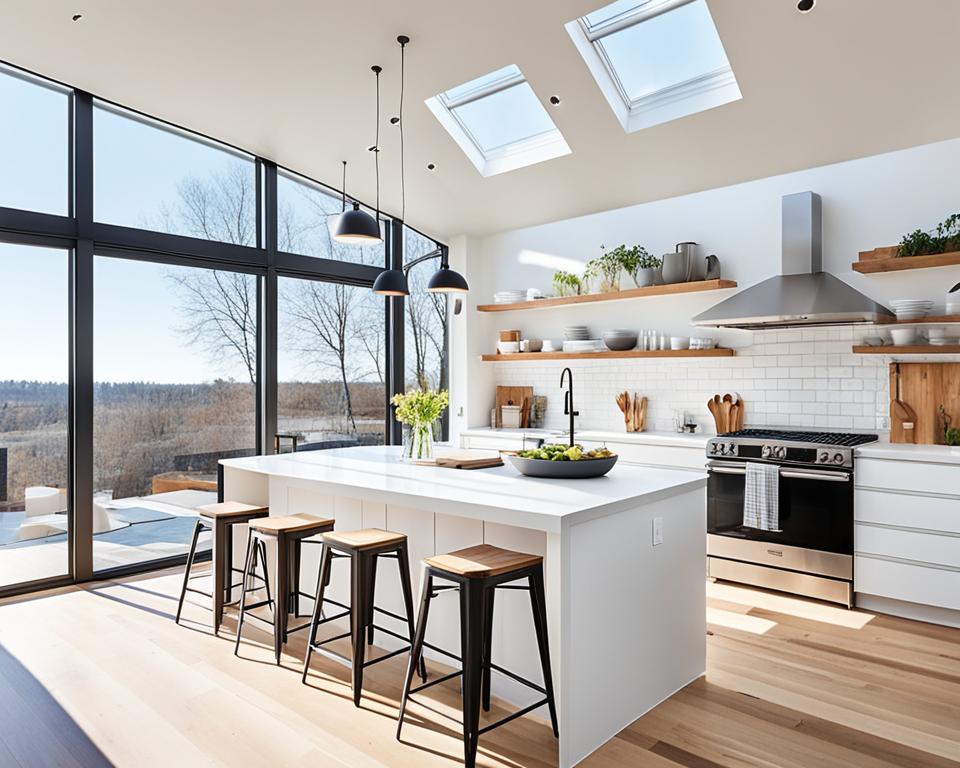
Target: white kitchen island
[(626, 617)]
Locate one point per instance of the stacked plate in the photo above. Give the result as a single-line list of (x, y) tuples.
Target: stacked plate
[(911, 309), (953, 305), (576, 333), (509, 297), (583, 345)]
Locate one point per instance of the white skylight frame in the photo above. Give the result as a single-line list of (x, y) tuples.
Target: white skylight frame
[(712, 89), (537, 148)]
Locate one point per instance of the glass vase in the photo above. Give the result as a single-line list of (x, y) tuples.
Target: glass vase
[(418, 442)]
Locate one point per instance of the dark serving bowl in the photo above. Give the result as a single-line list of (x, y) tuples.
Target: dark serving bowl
[(567, 470)]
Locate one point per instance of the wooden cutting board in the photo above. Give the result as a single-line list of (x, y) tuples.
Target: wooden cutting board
[(468, 460), (924, 387), (522, 396)]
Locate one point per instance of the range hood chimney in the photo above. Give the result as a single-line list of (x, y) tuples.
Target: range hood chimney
[(802, 294)]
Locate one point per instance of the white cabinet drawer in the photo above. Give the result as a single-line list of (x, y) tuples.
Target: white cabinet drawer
[(655, 455), (909, 476), (904, 581), (907, 545), (493, 442), (929, 512)]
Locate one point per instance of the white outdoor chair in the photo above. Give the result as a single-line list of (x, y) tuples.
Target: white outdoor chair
[(42, 500)]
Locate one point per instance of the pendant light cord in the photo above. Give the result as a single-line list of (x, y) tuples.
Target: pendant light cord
[(343, 188), (376, 144), (403, 183)]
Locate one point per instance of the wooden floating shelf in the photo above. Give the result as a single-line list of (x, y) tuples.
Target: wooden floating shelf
[(630, 293), (513, 357), (929, 320), (909, 349), (907, 262)]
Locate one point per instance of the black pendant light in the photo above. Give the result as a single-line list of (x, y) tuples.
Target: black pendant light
[(356, 227), (393, 282)]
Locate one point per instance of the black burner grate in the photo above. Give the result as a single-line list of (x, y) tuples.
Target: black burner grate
[(847, 439)]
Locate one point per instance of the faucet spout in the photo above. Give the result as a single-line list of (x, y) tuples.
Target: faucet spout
[(567, 376)]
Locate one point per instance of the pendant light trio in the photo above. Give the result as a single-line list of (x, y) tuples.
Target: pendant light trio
[(357, 227)]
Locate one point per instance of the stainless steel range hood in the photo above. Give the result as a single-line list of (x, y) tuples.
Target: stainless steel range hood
[(803, 294)]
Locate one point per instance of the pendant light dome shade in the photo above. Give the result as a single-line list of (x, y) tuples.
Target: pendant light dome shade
[(391, 282), (445, 280), (356, 227)]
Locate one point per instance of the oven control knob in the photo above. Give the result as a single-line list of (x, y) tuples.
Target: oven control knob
[(824, 457), (838, 458), (731, 449), (780, 452), (765, 452), (715, 448)]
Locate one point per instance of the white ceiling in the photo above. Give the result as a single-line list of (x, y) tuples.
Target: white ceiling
[(290, 80)]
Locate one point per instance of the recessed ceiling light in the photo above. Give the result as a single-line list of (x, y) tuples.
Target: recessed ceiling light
[(554, 100), (805, 6), (431, 167), (77, 16)]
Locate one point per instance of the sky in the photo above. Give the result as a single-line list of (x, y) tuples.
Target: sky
[(138, 314)]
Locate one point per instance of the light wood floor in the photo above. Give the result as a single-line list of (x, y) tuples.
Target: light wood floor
[(100, 675)]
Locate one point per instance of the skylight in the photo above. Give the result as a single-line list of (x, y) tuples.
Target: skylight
[(498, 122), (655, 60)]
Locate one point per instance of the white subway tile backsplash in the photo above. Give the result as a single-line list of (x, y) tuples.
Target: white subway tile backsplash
[(796, 377)]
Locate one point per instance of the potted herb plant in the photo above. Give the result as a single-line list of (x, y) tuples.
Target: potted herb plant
[(944, 239), (567, 284), (648, 268), (606, 270), (418, 411)]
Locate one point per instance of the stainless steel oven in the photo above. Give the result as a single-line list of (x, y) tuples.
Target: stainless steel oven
[(811, 552)]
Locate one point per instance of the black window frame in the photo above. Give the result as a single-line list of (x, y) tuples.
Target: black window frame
[(82, 236)]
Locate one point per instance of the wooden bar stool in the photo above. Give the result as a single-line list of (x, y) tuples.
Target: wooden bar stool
[(477, 572), (287, 534), (220, 518), (363, 548)]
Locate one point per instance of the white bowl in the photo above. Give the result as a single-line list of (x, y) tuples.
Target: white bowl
[(936, 333), (508, 347), (679, 342), (903, 336)]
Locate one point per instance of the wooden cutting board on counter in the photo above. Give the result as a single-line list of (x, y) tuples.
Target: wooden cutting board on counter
[(522, 396), (924, 387)]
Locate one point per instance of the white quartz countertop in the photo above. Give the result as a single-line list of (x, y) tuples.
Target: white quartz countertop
[(499, 494), (935, 454), (597, 435)]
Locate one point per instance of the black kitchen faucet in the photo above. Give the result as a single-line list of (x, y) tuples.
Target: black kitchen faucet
[(568, 400)]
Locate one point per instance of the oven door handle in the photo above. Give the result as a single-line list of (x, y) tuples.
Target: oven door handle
[(740, 468)]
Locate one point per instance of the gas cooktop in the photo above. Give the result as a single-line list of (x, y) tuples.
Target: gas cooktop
[(846, 439)]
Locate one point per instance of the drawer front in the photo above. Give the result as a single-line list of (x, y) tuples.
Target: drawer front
[(907, 545), (909, 476), (905, 581), (654, 455), (493, 442), (928, 512)]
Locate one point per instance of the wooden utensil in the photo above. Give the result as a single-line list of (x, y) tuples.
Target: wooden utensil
[(726, 406), (713, 405), (634, 408), (903, 419)]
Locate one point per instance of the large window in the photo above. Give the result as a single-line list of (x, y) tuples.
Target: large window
[(175, 391), (331, 364), (34, 151), (306, 214), (185, 302), (33, 413), (150, 176)]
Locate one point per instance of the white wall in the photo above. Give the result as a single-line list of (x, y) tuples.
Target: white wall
[(866, 203)]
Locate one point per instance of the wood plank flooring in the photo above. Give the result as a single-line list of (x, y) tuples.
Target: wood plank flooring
[(99, 675)]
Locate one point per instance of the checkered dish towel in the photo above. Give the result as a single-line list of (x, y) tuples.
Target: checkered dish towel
[(761, 497)]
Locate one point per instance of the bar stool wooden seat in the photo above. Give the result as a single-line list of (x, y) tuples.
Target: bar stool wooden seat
[(477, 572), (220, 518), (287, 534), (363, 548)]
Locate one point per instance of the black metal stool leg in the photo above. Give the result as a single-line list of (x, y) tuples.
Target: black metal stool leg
[(487, 644), (360, 593), (372, 570), (416, 650), (248, 565), (403, 562), (538, 602), (262, 549), (186, 574), (323, 576), (471, 645)]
